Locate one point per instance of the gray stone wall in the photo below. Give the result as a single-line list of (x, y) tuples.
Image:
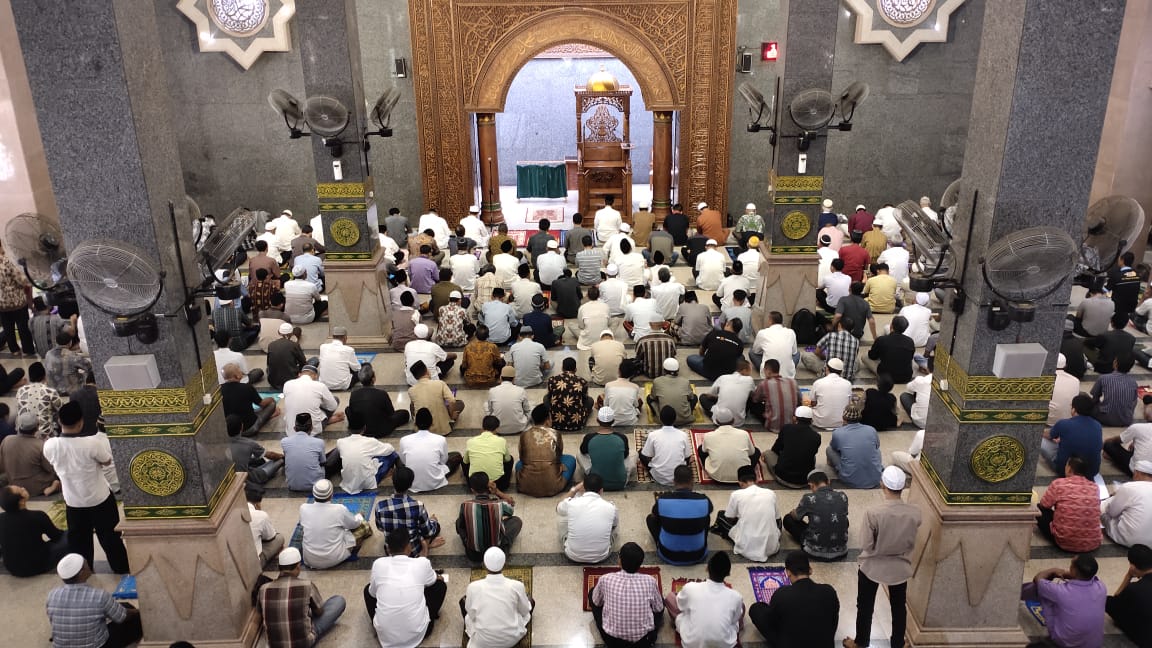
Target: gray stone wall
[(233, 148), (909, 136)]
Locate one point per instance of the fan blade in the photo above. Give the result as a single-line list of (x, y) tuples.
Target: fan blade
[(287, 106), (327, 116), (1112, 226), (812, 109), (220, 246), (1030, 263), (853, 96), (951, 195), (382, 111)]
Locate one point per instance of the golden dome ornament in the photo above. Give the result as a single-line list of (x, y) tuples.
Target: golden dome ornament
[(603, 81)]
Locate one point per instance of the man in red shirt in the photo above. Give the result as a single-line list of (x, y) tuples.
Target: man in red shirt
[(855, 257), (860, 220), (1070, 510)]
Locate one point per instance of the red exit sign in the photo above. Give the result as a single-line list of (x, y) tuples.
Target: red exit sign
[(769, 51)]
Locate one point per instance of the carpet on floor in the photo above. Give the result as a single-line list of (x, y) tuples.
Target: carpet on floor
[(360, 503), (677, 585), (522, 574), (698, 416), (593, 574), (58, 513), (1036, 610), (366, 357), (640, 435), (704, 477), (766, 580), (125, 589)]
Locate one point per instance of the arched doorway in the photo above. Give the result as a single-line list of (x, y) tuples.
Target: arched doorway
[(466, 55)]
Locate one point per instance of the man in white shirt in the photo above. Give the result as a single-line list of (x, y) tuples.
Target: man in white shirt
[(919, 318), (338, 362), (591, 319), (587, 521), (830, 395), (886, 217), (904, 459), (328, 537), (897, 258), (224, 356), (641, 312), (926, 207), (529, 358), (474, 228), (506, 264), (440, 230), (710, 266), (776, 342), (914, 400), (667, 292), (613, 291), (496, 609), (509, 403), (79, 462), (750, 259), (269, 237), (630, 264), (1064, 390), (731, 391), (613, 247), (465, 267), (834, 286), (708, 613), (607, 221), (1134, 444), (286, 229), (827, 254), (665, 448), (403, 594), (427, 455), (750, 521), (307, 395), (267, 541), (438, 361), (1127, 515), (302, 303), (550, 265), (730, 284), (523, 290), (364, 461)]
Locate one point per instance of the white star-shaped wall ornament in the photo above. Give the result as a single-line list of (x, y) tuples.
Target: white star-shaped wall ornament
[(242, 29), (902, 25)]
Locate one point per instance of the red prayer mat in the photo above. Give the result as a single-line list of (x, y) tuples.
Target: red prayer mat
[(642, 476), (593, 574), (703, 477)]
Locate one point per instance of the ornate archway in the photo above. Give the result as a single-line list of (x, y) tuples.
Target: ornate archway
[(466, 53)]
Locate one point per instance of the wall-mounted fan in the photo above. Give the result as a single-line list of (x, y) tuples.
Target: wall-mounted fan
[(1023, 267), (812, 110), (850, 98), (290, 109), (948, 204), (1113, 225), (122, 280), (328, 118), (38, 245), (223, 250), (381, 114), (934, 260), (760, 110)]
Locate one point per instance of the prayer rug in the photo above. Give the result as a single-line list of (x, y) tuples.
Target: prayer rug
[(766, 580), (677, 585), (553, 214), (704, 477), (1036, 610), (275, 396), (593, 574), (522, 574), (126, 589), (365, 357), (641, 435), (58, 513), (359, 503), (698, 416)]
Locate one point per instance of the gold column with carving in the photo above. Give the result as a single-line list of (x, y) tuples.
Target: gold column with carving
[(661, 164), (489, 168)]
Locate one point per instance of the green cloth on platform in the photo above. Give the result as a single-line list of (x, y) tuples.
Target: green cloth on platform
[(541, 181)]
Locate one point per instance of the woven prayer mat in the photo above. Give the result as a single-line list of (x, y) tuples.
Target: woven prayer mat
[(360, 503), (553, 214), (593, 574), (766, 580), (677, 585), (698, 416), (522, 574), (703, 477), (366, 357), (640, 435), (58, 513)]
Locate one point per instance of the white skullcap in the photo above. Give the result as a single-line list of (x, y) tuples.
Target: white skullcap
[(804, 412), (494, 559), (722, 415), (69, 566), (553, 245), (289, 557), (893, 478), (643, 206), (750, 206), (421, 331), (836, 363), (473, 209), (223, 275), (611, 270), (710, 242), (287, 212), (671, 364), (285, 329), (625, 227), (922, 298), (322, 489), (827, 204), (701, 205), (606, 414), (455, 294), (859, 207), (1061, 361), (607, 332), (1144, 466), (925, 199), (299, 271)]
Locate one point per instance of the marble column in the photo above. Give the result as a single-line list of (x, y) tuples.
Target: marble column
[(1039, 73), (661, 164), (490, 211), (331, 66), (98, 82), (788, 277)]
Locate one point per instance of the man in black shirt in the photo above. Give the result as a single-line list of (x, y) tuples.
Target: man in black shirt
[(676, 223), (799, 615), (566, 295), (574, 240), (1125, 286), (1103, 350), (285, 358), (238, 398), (793, 455), (22, 532), (854, 307), (892, 354), (719, 351), (824, 536), (89, 400), (374, 406), (538, 242), (1073, 349), (1130, 605), (695, 244)]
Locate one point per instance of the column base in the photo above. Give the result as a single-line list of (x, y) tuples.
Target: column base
[(195, 576), (969, 566), (787, 282), (358, 300)]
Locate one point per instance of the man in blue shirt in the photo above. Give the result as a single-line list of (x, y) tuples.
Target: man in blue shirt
[(1079, 435), (500, 318), (855, 451), (304, 460), (679, 521)]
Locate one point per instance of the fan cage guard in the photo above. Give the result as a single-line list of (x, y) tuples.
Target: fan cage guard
[(1029, 264), (929, 240), (116, 277), (810, 104), (1115, 240), (326, 116), (225, 239), (24, 236)]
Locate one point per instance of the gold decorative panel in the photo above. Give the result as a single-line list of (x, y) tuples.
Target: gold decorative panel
[(795, 225), (345, 232), (990, 388), (997, 458), (157, 473), (166, 400)]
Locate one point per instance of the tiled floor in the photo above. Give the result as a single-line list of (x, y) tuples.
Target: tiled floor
[(559, 619)]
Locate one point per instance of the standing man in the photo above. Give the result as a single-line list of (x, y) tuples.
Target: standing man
[(804, 613), (886, 559), (79, 461), (293, 612), (15, 300)]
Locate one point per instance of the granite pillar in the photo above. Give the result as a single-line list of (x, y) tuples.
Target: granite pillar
[(661, 164), (1039, 73), (331, 61), (97, 75), (486, 148)]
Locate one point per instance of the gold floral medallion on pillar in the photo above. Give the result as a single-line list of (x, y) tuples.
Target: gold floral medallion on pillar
[(157, 473), (997, 458), (795, 225), (345, 231)]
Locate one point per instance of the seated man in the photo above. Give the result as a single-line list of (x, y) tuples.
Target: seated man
[(725, 449), (23, 533), (374, 406), (824, 536), (567, 399), (733, 391), (496, 609), (250, 457), (1126, 517), (708, 613), (605, 452), (623, 396), (587, 521), (305, 462), (426, 453), (438, 361), (750, 520), (1073, 601), (435, 397), (481, 364), (803, 613), (1070, 510), (854, 451), (403, 595), (307, 395), (626, 605), (267, 541), (331, 533), (364, 461), (1079, 435), (22, 458), (540, 323), (488, 453), (1115, 394), (543, 469), (679, 522), (402, 512), (292, 608), (508, 404), (673, 390), (793, 454), (339, 365), (487, 519), (83, 615), (1129, 606), (665, 449), (238, 399), (530, 359)]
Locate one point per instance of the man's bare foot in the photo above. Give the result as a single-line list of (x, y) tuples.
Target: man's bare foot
[(849, 642), (52, 488), (436, 542), (336, 418)]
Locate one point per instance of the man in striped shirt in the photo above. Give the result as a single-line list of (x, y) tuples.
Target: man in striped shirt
[(294, 614), (588, 262), (654, 348), (775, 398), (486, 520)]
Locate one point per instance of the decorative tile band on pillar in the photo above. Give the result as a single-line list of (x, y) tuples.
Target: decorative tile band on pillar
[(181, 512), (972, 499), (167, 400), (989, 388), (179, 428), (1025, 416), (343, 208)]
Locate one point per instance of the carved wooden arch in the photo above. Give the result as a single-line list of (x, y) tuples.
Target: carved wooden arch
[(632, 46)]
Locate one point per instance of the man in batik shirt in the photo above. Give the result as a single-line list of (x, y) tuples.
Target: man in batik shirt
[(568, 399), (452, 330)]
